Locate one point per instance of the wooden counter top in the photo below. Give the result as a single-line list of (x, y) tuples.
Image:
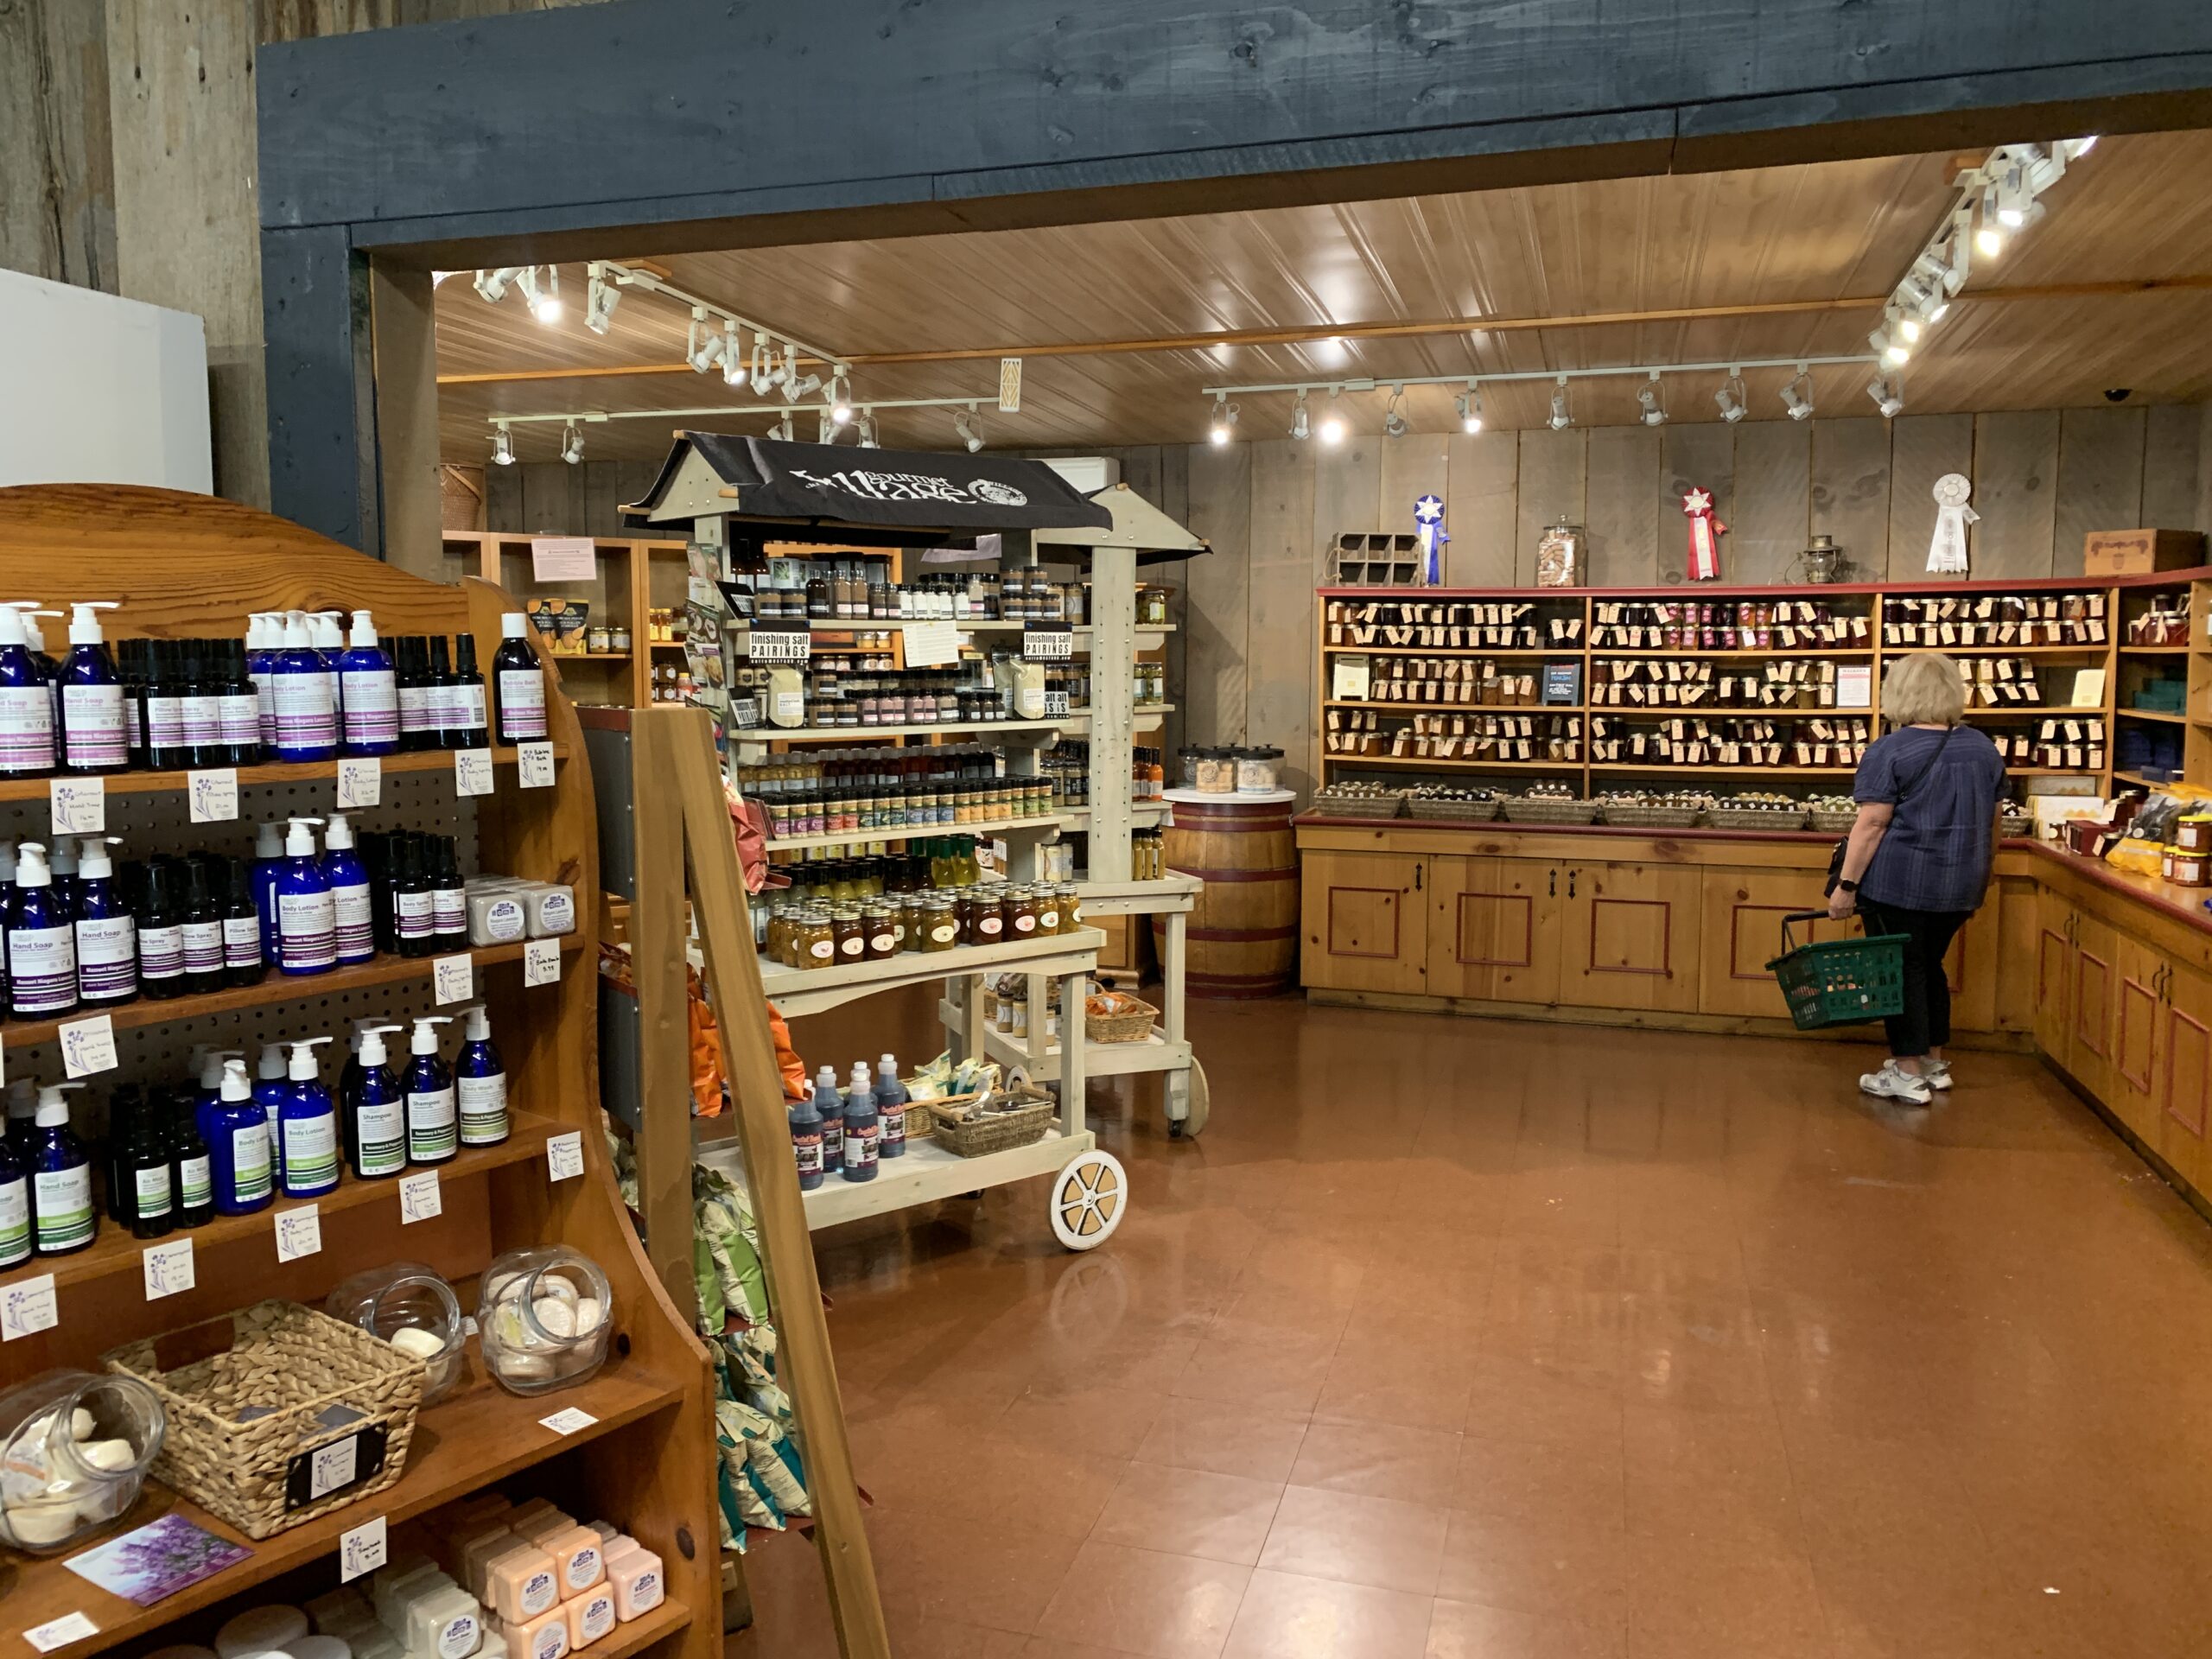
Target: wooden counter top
[(1500, 826)]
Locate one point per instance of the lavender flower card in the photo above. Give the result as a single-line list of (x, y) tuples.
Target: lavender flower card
[(158, 1559)]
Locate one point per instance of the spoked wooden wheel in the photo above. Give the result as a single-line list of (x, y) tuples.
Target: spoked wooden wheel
[(1089, 1197)]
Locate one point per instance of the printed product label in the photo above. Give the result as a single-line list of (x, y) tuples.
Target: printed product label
[(27, 729), (946, 932), (410, 915), (307, 930), (448, 908), (371, 705), (808, 1151), (989, 926), (311, 1151), (64, 1200), (468, 707), (521, 704), (241, 718), (1049, 920), (264, 697), (15, 1222), (552, 1641), (356, 922), (153, 1191), (853, 947), (414, 709), (305, 718), (884, 944), (107, 958), (241, 942), (430, 1125), (483, 1103), (380, 1138), (41, 969), (1025, 924), (203, 718), (833, 1143), (822, 950), (195, 1183), (250, 1166), (459, 1637), (581, 1570), (646, 1592), (598, 1616), (203, 947), (91, 726), (860, 1149), (161, 952), (893, 1119), (539, 1592), (164, 722), (504, 919)]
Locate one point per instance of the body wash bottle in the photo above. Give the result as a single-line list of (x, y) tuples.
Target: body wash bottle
[(376, 1113), (238, 1143), (430, 1132), (61, 1178), (480, 1082), (307, 1127)]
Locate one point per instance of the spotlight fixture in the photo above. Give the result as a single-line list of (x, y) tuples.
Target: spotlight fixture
[(1394, 418), (1224, 425), (1989, 240), (1732, 398), (1888, 393), (970, 430), (1655, 410), (703, 345), (542, 295), (1560, 419), (1891, 341), (503, 446), (782, 428), (1332, 422), (733, 356), (492, 285), (1301, 420), (825, 430), (763, 372), (1471, 409), (601, 297), (1797, 396), (868, 429), (572, 443), (2013, 197), (2082, 147), (841, 400)]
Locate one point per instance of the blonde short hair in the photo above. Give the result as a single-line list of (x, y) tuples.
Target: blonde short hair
[(1923, 690)]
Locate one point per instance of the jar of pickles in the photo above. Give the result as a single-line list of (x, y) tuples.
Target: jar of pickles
[(940, 927)]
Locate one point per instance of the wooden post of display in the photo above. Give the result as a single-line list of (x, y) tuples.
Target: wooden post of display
[(676, 748)]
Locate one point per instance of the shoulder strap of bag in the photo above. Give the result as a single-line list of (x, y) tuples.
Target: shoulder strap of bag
[(1927, 765)]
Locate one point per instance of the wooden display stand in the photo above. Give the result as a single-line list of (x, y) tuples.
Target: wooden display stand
[(622, 593), (643, 1454)]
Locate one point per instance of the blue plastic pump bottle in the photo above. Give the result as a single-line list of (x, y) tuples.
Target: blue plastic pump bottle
[(245, 1167), (307, 1127), (352, 902), (62, 869), (264, 637), (42, 941), (268, 862), (61, 1178), (93, 735), (376, 1120), (15, 1206), (107, 933), (368, 688), (329, 642), (431, 1138), (26, 708), (831, 1105), (860, 1126), (22, 1112), (269, 1091), (49, 670), (300, 696), (889, 1109), (307, 918), (480, 1082), (208, 1067)]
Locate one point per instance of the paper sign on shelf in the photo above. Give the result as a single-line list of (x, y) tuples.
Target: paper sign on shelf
[(1854, 685), (360, 783), (1048, 642), (362, 1550), (472, 771), (299, 1232), (933, 644), (60, 1632), (80, 806), (455, 978), (564, 1156), (770, 642), (419, 1198), (28, 1308), (540, 961), (534, 764), (569, 1422), (215, 794), (87, 1047), (563, 558), (170, 1268)]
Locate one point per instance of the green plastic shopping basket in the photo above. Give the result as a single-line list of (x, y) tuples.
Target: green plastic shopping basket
[(1839, 982)]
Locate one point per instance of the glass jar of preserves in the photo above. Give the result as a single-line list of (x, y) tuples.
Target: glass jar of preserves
[(814, 943), (880, 927), (1070, 897), (1020, 908), (846, 931), (985, 906), (1047, 907), (940, 927)]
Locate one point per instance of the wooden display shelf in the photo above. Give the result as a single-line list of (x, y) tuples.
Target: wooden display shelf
[(1658, 653), (2135, 777), (1732, 772), (1457, 763), (2003, 651), (274, 771), (1575, 650), (866, 734), (277, 988), (2151, 714), (2155, 651), (467, 1439), (1460, 707), (910, 832), (564, 658)]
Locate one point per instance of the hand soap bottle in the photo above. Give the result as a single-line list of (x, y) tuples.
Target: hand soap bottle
[(307, 1127), (520, 683), (42, 941), (61, 1178), (376, 1113), (368, 688), (93, 736), (480, 1082), (107, 933), (307, 921), (239, 1145), (352, 904), (430, 1132)]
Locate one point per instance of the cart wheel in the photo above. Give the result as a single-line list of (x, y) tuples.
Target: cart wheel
[(1088, 1198), (1194, 1122)]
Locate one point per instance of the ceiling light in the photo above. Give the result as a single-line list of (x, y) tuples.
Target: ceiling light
[(2082, 147), (703, 345), (1655, 411), (825, 430), (1471, 409), (438, 277), (2013, 197), (970, 430), (503, 446), (601, 297), (841, 400), (572, 443), (1332, 422), (543, 298), (1301, 421), (764, 373), (733, 356), (795, 388), (1560, 419), (1890, 343), (1393, 420), (1797, 396), (1224, 424), (492, 284), (1731, 397), (868, 429), (1888, 393), (1989, 240)]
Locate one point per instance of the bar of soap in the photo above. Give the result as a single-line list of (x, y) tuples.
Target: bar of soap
[(109, 1455), (80, 1424), (591, 1616), (545, 1637), (523, 1584), (421, 1343), (273, 1625), (445, 1624), (476, 1554), (639, 1584), (42, 1523), (579, 1557), (320, 1647)]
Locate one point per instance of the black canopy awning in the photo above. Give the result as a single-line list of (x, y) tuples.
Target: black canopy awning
[(915, 495)]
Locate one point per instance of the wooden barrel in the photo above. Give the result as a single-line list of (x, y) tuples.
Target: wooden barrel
[(1241, 937)]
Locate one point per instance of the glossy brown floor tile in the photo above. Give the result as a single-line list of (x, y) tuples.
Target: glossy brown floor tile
[(1617, 1345)]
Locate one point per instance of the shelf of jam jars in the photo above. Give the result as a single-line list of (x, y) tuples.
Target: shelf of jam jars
[(799, 991), (878, 837), (856, 734)]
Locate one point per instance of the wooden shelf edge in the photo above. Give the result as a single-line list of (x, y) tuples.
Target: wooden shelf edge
[(273, 771)]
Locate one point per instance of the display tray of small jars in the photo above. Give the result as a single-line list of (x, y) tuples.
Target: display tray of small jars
[(1558, 803)]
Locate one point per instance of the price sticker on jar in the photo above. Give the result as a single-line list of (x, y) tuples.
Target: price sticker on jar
[(768, 642), (1048, 642)]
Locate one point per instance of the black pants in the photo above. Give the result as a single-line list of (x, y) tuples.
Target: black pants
[(1926, 1021)]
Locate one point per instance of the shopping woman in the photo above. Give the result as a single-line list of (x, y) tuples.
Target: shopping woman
[(1919, 857)]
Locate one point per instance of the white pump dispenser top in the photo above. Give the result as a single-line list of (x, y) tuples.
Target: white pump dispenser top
[(30, 866), (478, 1028), (94, 864), (256, 631), (53, 1110), (270, 1066), (11, 627), (373, 1053), (30, 610), (6, 863), (268, 841), (322, 631), (425, 1041), (338, 834), (297, 637), (22, 1099), (364, 630), (63, 860), (212, 1064), (299, 840), (85, 622), (235, 1085), (306, 1064)]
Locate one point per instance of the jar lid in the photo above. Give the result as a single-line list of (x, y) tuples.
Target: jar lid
[(1262, 754)]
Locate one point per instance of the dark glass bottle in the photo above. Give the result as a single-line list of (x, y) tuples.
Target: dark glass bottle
[(414, 932), (243, 964), (472, 727), (445, 698), (448, 896), (191, 1172), (161, 932)]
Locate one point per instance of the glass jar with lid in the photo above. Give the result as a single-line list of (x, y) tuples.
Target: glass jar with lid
[(940, 927), (846, 930), (1047, 907), (1020, 910), (814, 943), (880, 926), (1070, 897)]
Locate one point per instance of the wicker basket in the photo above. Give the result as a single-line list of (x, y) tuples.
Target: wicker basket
[(999, 1132), (1650, 817), (1358, 806), (1752, 818), (1452, 811), (1833, 823), (1132, 1024), (319, 1383), (1521, 809)]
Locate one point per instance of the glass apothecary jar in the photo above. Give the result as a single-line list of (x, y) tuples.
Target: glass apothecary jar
[(74, 1449), (545, 1316), (411, 1306)]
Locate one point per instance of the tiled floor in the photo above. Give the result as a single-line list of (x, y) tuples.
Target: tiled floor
[(1477, 1340)]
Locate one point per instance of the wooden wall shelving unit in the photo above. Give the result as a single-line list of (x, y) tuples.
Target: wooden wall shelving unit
[(624, 593)]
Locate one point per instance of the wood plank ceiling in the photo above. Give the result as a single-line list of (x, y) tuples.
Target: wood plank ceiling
[(2135, 210)]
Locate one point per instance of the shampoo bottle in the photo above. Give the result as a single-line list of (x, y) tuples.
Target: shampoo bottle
[(352, 903), (26, 708), (376, 1113), (306, 722), (14, 1207), (430, 1132), (519, 682), (307, 1127), (368, 687), (61, 1178), (480, 1082), (107, 933), (238, 1142), (93, 734), (831, 1106), (42, 941), (861, 1125), (307, 921), (889, 1109)]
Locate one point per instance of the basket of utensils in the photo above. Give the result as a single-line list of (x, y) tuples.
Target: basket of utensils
[(996, 1118)]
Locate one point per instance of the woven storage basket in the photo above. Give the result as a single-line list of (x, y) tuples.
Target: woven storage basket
[(1834, 824), (1133, 1025), (1000, 1132), (1452, 811), (1651, 817), (296, 1364), (1520, 810), (1752, 818), (1358, 806)]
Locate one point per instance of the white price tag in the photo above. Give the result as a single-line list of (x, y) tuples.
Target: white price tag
[(80, 806), (472, 771), (1048, 642), (534, 764), (214, 795), (331, 1466), (564, 1156), (455, 977), (362, 1550), (88, 1045), (569, 1422), (299, 1232), (419, 1198), (28, 1308), (60, 1632), (168, 1268), (360, 783), (540, 961)]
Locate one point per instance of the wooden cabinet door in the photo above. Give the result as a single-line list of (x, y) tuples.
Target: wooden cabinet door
[(1629, 937), (1740, 932), (2089, 1039), (2054, 976), (1365, 919), (1972, 965), (2138, 1039), (2185, 1081), (1493, 929)]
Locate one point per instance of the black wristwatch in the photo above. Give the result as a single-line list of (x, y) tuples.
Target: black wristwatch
[(1848, 886)]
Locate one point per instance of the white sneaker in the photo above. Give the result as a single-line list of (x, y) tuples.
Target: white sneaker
[(1892, 1083), (1936, 1074)]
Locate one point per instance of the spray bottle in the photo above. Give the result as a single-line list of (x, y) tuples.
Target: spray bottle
[(307, 1127), (465, 703), (237, 1142), (480, 1082), (243, 962), (353, 905), (831, 1106), (431, 1137), (368, 688), (203, 705), (239, 705), (376, 1112), (306, 722), (161, 932), (25, 709), (890, 1108), (519, 681), (861, 1125), (61, 1178), (42, 941), (307, 920), (107, 933), (201, 921), (14, 1207), (93, 735), (191, 1170)]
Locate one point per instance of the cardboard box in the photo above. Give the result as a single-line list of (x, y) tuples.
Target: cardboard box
[(2141, 552)]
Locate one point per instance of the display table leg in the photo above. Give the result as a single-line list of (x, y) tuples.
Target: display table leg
[(1074, 989)]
